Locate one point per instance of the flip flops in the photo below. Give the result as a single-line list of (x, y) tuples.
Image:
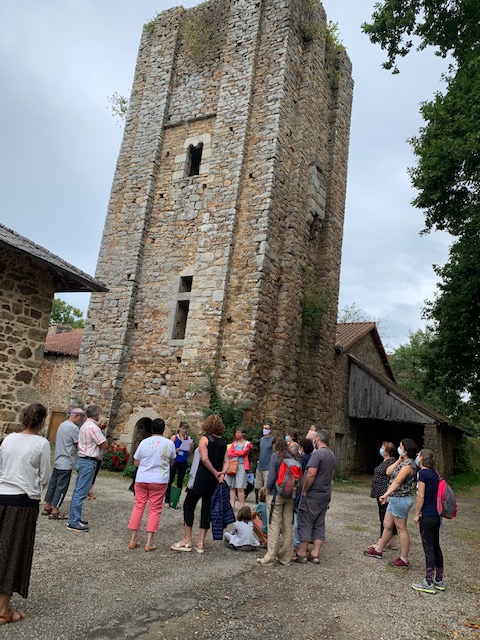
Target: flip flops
[(46, 512), (12, 616), (58, 516)]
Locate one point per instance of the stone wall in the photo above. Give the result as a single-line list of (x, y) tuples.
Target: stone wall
[(26, 294), (55, 382), (254, 234)]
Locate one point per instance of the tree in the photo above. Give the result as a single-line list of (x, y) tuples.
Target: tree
[(63, 313), (447, 174), (351, 313), (415, 365)]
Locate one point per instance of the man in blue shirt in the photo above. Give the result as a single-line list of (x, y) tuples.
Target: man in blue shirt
[(265, 446)]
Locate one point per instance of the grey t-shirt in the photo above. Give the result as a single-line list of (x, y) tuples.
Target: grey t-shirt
[(265, 453), (322, 459), (66, 446)]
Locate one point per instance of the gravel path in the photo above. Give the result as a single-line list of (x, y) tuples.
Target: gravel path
[(91, 585)]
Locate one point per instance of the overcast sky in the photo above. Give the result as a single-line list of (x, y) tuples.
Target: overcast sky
[(61, 59)]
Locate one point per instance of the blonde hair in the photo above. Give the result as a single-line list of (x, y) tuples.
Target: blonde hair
[(262, 494)]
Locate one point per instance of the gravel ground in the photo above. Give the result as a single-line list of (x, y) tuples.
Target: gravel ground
[(91, 585)]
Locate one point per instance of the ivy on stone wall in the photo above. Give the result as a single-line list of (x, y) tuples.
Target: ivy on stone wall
[(229, 409), (314, 307)]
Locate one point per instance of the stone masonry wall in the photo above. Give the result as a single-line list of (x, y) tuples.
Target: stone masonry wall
[(26, 294), (55, 382), (262, 221)]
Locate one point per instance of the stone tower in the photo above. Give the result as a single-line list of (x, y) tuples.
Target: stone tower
[(222, 242)]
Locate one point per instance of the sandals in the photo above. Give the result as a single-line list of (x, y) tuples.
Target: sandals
[(12, 616), (149, 548), (200, 547), (45, 512), (183, 545), (313, 559), (300, 559), (133, 545), (58, 516)]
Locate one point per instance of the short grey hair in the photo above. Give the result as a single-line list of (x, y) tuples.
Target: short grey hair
[(93, 410), (323, 435)]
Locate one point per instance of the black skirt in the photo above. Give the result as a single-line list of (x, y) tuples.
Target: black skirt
[(17, 537)]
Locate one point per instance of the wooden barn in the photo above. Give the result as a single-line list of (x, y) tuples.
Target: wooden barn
[(369, 407)]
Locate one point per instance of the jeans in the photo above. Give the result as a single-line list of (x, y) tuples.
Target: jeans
[(85, 474), (296, 539)]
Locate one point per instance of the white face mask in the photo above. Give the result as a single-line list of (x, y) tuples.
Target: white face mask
[(401, 452), (266, 432)]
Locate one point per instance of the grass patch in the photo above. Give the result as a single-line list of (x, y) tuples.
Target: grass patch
[(472, 536), (355, 527)]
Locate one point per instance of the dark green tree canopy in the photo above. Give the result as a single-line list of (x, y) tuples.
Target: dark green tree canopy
[(451, 26), (447, 177)]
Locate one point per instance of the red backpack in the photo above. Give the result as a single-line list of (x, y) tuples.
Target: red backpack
[(446, 500), (289, 478)]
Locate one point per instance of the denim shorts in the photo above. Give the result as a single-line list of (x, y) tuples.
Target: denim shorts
[(399, 507)]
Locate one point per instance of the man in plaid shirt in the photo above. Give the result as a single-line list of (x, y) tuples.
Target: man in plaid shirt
[(90, 443)]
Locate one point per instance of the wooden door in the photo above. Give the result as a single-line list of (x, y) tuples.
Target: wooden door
[(56, 420)]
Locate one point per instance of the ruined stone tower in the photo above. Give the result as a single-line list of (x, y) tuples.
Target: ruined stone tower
[(222, 242)]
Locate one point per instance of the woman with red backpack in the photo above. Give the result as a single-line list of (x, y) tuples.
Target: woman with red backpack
[(279, 509), (426, 515)]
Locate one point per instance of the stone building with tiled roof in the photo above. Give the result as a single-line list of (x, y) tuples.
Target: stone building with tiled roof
[(29, 277)]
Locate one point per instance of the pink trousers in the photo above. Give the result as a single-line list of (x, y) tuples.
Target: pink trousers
[(153, 493)]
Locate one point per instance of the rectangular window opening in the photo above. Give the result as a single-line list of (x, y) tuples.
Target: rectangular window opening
[(181, 315), (194, 159), (185, 284)]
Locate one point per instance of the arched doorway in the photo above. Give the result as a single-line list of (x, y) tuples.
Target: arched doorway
[(143, 429)]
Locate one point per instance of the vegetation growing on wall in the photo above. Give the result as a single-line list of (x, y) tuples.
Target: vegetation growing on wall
[(202, 31), (229, 409), (314, 307)]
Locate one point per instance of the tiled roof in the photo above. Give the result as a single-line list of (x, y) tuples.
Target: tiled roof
[(67, 277), (65, 344), (349, 332)]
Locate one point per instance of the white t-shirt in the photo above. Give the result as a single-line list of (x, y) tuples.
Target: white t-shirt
[(24, 465), (154, 454)]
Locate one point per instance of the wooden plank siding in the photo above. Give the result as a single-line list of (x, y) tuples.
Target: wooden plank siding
[(369, 399)]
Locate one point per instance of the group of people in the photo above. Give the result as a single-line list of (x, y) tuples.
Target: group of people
[(286, 523), (392, 486)]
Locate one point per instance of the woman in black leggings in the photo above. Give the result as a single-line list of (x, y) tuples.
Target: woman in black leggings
[(211, 470), (426, 515)]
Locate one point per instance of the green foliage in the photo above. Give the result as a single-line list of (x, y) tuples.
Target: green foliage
[(467, 467), (449, 25), (118, 106), (229, 409), (63, 313), (351, 313), (129, 471), (150, 25), (418, 369), (202, 31), (314, 307), (447, 175), (115, 458)]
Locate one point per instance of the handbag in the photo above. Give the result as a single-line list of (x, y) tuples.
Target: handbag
[(232, 468)]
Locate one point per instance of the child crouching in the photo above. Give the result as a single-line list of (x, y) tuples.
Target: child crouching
[(241, 537)]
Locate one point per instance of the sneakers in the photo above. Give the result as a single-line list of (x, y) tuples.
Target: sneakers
[(399, 563), (77, 526), (372, 552), (425, 587), (438, 584)]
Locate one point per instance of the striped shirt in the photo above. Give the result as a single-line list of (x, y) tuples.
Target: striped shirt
[(90, 437)]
